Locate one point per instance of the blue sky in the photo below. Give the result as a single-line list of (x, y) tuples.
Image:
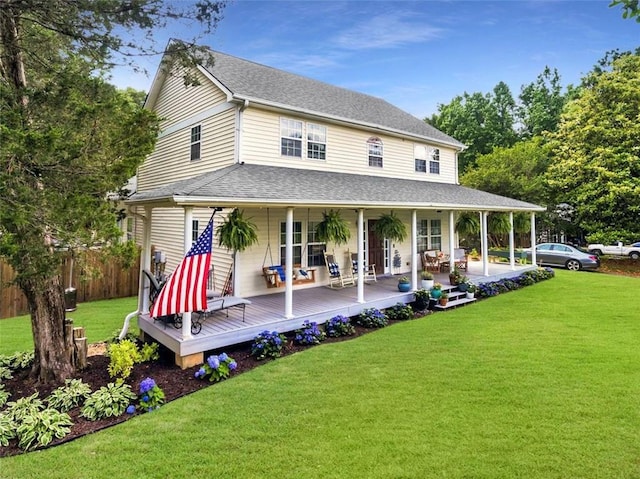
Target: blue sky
[(419, 54)]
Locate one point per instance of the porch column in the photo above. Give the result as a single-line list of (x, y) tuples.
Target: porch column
[(485, 243), (452, 238), (512, 255), (533, 238), (414, 250), (188, 232), (360, 251), (288, 270), (145, 261)]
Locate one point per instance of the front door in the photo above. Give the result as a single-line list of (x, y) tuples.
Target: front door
[(375, 248)]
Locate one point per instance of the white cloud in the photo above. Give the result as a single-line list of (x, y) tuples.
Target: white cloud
[(386, 31)]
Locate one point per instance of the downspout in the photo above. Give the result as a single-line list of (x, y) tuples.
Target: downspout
[(239, 130)]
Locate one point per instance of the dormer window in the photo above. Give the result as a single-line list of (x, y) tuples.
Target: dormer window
[(374, 145)]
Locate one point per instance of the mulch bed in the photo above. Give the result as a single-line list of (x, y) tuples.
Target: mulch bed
[(174, 382)]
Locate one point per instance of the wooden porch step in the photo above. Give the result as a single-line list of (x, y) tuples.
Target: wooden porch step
[(452, 303)]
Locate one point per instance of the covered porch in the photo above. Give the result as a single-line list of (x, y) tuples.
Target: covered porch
[(317, 304)]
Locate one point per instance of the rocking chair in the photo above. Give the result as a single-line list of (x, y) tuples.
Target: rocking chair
[(336, 278), (369, 270)]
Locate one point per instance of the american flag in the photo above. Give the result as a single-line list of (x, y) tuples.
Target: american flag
[(186, 288)]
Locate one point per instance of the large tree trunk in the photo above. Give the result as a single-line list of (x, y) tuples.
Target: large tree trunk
[(52, 363)]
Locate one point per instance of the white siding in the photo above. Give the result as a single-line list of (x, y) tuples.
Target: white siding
[(171, 160), (346, 150)]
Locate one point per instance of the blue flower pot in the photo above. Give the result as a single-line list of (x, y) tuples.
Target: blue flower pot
[(404, 287), (436, 293)]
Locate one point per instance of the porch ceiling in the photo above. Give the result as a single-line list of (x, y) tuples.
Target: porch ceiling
[(261, 185)]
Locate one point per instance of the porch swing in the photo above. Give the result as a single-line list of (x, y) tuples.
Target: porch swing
[(275, 275)]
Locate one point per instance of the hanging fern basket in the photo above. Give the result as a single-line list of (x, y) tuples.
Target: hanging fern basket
[(391, 227), (333, 228), (237, 233)]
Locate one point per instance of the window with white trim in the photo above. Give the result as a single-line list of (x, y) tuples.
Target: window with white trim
[(196, 136), (290, 137), (434, 161), (429, 235), (195, 224), (374, 146), (315, 247), (297, 242), (316, 141)]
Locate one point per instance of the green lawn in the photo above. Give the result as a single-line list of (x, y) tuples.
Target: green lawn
[(538, 383), (101, 319)]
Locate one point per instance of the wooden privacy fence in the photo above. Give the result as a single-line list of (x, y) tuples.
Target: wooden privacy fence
[(112, 281)]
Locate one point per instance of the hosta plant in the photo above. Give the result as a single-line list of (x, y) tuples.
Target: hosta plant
[(7, 429), (109, 400), (309, 334), (339, 326), (24, 407), (217, 368), (39, 429), (372, 318), (4, 396), (72, 394), (267, 344)]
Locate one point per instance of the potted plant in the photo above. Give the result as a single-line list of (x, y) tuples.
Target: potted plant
[(444, 298), (426, 280), (391, 227), (436, 291), (471, 290), (422, 299), (463, 285), (455, 277), (333, 228), (474, 255), (404, 285)]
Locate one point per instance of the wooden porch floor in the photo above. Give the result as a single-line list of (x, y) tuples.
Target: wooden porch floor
[(313, 304)]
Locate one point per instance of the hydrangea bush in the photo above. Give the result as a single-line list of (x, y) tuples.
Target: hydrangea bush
[(399, 312), (267, 344), (217, 367), (309, 334), (339, 326), (493, 288), (372, 318), (151, 396)]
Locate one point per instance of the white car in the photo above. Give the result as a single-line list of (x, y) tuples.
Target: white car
[(618, 249)]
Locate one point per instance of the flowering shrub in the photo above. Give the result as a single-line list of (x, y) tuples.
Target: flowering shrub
[(339, 326), (493, 288), (151, 396), (267, 345), (399, 312), (217, 367), (372, 318), (309, 334)]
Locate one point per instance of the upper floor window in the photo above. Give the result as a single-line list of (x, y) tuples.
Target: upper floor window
[(374, 146), (421, 165), (290, 137), (316, 141), (196, 135), (434, 161)]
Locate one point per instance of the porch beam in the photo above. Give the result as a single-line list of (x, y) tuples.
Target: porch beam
[(485, 242), (288, 283), (188, 233), (360, 251), (534, 260), (414, 249), (452, 244), (512, 254)]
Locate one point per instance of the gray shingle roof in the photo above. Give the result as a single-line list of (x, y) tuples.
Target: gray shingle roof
[(249, 80), (245, 184)]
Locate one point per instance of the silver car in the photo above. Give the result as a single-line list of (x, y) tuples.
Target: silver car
[(570, 257)]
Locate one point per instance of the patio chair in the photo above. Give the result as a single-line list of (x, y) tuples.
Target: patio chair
[(460, 259), (336, 278), (430, 260), (369, 270)]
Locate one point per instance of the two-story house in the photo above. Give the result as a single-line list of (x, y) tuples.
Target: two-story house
[(284, 148)]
